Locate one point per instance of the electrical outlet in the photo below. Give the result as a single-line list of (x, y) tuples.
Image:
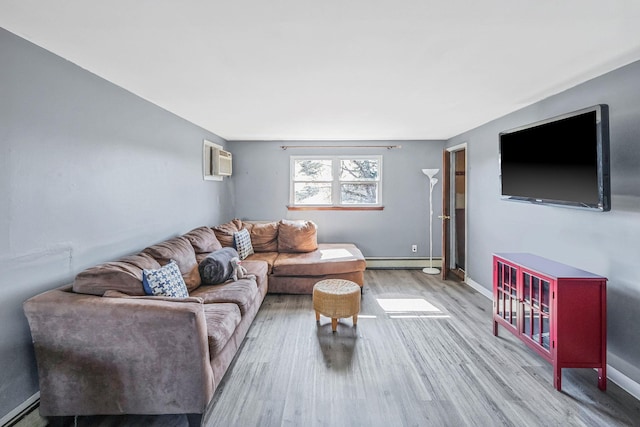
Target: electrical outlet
[(414, 248)]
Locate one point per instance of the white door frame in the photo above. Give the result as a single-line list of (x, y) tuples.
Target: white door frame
[(452, 189)]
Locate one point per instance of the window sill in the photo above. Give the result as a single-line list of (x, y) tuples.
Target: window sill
[(335, 208)]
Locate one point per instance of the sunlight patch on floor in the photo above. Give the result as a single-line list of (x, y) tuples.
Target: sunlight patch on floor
[(407, 304), (410, 308), (419, 316)]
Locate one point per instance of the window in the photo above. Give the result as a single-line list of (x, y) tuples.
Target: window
[(336, 181)]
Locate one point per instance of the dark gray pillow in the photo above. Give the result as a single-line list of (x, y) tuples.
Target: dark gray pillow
[(216, 267)]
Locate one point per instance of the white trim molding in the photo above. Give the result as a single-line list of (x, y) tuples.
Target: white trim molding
[(399, 262), (21, 410), (478, 287), (452, 195), (625, 383)]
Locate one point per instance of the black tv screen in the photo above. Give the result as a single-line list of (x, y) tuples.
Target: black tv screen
[(561, 161)]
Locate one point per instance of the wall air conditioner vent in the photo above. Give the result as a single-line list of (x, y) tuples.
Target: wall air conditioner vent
[(221, 162), (216, 162)]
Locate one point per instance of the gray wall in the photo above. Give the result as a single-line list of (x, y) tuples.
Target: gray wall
[(88, 172), (605, 243), (261, 188)]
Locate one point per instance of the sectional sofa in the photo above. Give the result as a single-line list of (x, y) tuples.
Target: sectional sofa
[(104, 346), (295, 260)]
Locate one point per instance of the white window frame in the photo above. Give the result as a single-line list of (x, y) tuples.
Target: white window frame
[(335, 181)]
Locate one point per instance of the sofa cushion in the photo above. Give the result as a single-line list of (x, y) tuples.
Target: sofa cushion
[(165, 281), (329, 258), (242, 293), (222, 320), (203, 240), (264, 236), (192, 278), (141, 260), (297, 236), (118, 294), (224, 232), (216, 267), (178, 249), (257, 268), (200, 257), (124, 275), (242, 242), (268, 257)]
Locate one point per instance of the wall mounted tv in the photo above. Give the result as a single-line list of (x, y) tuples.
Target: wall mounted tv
[(562, 161)]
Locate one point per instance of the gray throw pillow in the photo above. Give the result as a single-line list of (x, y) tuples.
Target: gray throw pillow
[(216, 267)]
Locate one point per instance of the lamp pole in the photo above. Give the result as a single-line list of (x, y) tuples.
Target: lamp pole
[(432, 182)]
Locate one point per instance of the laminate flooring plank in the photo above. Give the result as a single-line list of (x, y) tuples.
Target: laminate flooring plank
[(431, 360)]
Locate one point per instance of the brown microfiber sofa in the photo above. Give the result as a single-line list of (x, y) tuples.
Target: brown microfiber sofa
[(296, 261), (104, 347)]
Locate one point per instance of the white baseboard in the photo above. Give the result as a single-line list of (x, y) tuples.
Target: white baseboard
[(20, 410), (625, 383), (392, 262), (478, 287), (613, 375)]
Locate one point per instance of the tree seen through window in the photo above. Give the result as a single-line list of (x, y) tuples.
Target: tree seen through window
[(336, 181)]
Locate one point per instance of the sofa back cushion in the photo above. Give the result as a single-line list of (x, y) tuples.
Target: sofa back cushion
[(264, 236), (297, 236), (178, 249), (192, 279), (124, 275), (203, 240), (224, 232)]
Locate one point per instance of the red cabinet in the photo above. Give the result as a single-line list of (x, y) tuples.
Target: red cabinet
[(557, 310)]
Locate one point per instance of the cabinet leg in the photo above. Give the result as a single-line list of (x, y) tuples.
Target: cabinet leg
[(557, 377), (495, 328), (602, 378)]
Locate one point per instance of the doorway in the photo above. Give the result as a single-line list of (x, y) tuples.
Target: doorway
[(457, 207)]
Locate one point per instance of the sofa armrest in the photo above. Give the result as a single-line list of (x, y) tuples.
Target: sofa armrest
[(100, 355)]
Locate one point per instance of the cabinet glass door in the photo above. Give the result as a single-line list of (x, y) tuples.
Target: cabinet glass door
[(536, 300), (507, 304)]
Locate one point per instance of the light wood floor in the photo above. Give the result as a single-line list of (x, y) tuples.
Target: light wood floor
[(434, 364)]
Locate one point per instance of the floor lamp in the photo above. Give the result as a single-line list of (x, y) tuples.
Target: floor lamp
[(432, 182)]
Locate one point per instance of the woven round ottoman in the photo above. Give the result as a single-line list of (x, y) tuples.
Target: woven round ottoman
[(336, 298)]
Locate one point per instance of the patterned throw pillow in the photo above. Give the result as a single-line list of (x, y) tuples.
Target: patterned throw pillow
[(243, 244), (165, 281)]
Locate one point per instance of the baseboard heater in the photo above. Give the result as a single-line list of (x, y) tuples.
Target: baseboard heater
[(400, 263)]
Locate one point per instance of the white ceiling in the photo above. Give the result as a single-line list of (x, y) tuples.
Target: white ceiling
[(336, 69)]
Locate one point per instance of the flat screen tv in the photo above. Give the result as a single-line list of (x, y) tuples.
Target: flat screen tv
[(562, 161)]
